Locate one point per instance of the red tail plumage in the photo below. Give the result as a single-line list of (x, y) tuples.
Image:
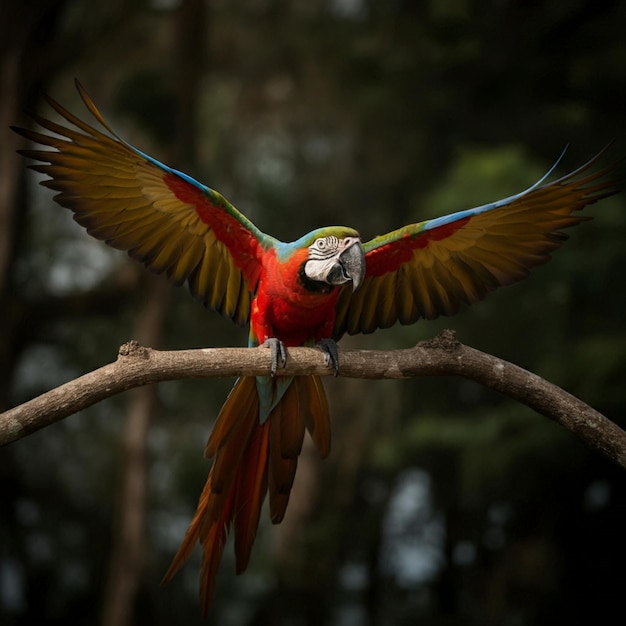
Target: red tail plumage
[(251, 458)]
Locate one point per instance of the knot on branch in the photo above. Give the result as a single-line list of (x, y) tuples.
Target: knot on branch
[(446, 341), (133, 349)]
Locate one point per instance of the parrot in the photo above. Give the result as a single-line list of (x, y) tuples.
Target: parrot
[(309, 292)]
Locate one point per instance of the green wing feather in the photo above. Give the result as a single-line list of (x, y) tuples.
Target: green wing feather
[(434, 267), (171, 223)]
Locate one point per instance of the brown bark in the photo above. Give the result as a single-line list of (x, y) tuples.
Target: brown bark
[(129, 538), (444, 356)]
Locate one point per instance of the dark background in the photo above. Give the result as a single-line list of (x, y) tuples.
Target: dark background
[(441, 503)]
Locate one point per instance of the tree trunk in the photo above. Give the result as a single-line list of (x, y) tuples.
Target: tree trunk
[(129, 544), (129, 540)]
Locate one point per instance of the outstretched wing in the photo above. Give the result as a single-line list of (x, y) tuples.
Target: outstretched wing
[(171, 223), (432, 268)]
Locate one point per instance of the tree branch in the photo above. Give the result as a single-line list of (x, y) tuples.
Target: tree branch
[(442, 356)]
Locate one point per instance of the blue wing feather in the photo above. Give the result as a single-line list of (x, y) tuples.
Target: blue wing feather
[(459, 215)]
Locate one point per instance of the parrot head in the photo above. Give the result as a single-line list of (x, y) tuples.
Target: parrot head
[(335, 257)]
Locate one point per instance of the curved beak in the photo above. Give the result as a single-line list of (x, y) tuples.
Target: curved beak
[(352, 261)]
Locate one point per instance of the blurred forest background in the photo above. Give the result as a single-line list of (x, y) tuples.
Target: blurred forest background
[(441, 503)]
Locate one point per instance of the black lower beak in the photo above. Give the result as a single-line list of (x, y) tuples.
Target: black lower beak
[(352, 264)]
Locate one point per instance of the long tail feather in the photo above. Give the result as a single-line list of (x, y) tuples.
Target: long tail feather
[(226, 423), (238, 422), (251, 490), (315, 412), (212, 550), (286, 436), (250, 459)]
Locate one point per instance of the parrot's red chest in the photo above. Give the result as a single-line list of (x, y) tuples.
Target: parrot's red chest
[(285, 309)]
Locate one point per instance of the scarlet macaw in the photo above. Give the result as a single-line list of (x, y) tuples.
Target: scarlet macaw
[(308, 292)]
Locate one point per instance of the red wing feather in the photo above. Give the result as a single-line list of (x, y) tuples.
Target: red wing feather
[(160, 216), (432, 268)]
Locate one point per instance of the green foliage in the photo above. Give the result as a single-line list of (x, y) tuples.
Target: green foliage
[(371, 114)]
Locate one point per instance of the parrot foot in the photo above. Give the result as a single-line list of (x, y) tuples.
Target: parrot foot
[(278, 352), (331, 353)]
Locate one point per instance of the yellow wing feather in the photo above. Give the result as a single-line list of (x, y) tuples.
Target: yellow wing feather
[(163, 218), (432, 268)]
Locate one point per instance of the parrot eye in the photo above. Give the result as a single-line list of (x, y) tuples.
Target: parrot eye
[(325, 245)]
